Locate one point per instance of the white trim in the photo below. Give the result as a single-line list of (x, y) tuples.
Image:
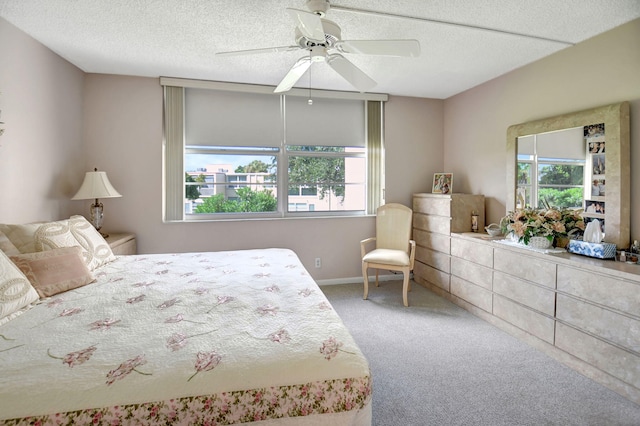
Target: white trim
[(254, 88)]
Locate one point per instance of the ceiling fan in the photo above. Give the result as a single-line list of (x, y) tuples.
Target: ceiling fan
[(321, 38)]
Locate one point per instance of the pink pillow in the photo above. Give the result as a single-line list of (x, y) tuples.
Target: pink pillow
[(54, 271)]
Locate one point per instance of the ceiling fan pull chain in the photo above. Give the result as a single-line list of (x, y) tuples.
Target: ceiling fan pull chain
[(310, 101)]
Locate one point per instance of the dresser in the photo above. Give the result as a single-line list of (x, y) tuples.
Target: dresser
[(435, 217), (584, 312)]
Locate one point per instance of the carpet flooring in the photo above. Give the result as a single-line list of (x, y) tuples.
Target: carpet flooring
[(434, 363)]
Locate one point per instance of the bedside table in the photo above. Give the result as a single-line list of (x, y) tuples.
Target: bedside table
[(122, 243)]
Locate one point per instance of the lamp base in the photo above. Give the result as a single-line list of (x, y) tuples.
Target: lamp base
[(97, 216)]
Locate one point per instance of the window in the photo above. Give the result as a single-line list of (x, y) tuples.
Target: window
[(221, 187), (252, 154), (551, 170)]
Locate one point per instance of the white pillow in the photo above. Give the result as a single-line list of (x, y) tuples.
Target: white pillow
[(7, 246), (15, 290), (21, 236), (77, 231)]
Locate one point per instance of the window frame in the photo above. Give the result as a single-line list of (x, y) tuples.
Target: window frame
[(534, 163), (174, 131), (345, 155)]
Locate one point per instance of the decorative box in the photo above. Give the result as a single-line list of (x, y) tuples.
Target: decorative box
[(599, 250)]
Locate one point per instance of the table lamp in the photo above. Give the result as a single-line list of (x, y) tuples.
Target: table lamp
[(96, 185)]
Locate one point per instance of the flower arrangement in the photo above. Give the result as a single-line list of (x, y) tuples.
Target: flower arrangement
[(549, 223)]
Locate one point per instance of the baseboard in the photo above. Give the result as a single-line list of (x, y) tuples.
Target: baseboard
[(358, 280)]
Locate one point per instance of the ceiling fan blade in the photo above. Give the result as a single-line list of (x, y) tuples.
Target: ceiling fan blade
[(294, 74), (380, 47), (351, 73), (263, 50), (309, 24)]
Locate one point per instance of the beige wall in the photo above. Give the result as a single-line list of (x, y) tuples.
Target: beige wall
[(599, 71), (413, 142), (123, 135), (41, 151)]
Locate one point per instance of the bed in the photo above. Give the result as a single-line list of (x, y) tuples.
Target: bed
[(192, 338)]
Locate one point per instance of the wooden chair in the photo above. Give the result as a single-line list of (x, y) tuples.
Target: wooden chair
[(394, 248)]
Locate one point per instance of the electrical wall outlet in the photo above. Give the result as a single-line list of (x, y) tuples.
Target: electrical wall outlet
[(318, 262)]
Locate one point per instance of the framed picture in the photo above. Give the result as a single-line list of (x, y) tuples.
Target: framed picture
[(442, 183), (594, 209)]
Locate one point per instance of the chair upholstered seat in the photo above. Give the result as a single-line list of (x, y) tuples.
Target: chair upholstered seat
[(394, 249), (388, 257)]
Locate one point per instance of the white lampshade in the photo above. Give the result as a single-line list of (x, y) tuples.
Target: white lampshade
[(96, 185)]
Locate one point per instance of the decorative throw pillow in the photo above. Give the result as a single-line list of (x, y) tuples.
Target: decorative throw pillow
[(77, 231), (15, 290), (54, 271), (21, 236), (7, 246)]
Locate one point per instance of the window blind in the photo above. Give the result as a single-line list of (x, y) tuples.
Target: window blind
[(216, 117), (329, 122)]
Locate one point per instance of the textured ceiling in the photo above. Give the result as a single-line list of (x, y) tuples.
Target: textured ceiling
[(179, 38)]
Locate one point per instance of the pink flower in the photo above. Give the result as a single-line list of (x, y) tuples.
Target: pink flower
[(176, 341), (104, 324), (136, 299), (268, 310), (553, 214), (54, 302), (262, 275), (559, 227), (325, 306), (201, 291), (125, 369), (330, 347), (280, 336), (70, 311), (272, 289), (549, 223), (518, 228), (206, 361), (143, 284), (306, 292), (174, 319), (225, 299), (168, 303), (79, 357)]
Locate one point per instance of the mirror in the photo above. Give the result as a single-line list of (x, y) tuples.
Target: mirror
[(551, 169), (615, 161)]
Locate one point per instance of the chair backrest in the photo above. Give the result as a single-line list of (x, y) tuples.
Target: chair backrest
[(393, 227)]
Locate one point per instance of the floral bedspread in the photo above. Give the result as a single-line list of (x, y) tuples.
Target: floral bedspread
[(208, 338)]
